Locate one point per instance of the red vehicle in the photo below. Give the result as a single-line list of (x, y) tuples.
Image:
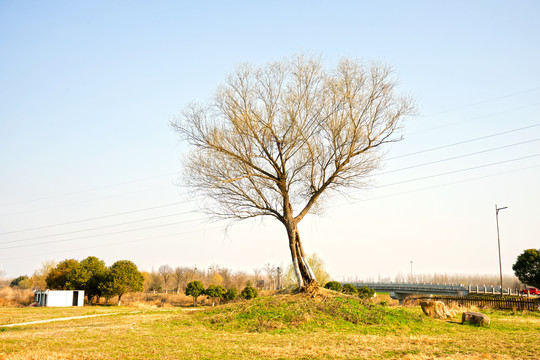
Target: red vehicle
[(531, 291)]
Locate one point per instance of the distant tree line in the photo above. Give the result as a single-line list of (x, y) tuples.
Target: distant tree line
[(168, 279)]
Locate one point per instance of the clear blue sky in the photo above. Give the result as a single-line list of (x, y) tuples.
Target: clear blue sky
[(87, 90)]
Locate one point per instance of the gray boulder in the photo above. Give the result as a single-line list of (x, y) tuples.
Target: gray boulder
[(475, 318)]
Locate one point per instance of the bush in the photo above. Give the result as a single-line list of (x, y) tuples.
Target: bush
[(231, 294), (16, 282), (333, 285), (349, 289), (249, 293), (195, 289), (365, 293), (215, 292)]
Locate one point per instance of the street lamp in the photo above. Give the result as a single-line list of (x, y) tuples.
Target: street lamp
[(497, 209), (411, 273)]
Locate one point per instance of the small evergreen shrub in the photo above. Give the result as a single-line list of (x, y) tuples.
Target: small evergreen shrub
[(333, 285), (195, 289), (215, 292), (249, 293), (231, 294), (365, 293), (349, 289)]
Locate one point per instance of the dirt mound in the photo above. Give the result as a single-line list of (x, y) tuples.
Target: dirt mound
[(314, 307)]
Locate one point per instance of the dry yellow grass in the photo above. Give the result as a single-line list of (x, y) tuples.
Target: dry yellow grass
[(15, 297)]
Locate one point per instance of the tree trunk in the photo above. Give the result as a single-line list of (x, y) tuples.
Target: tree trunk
[(303, 271)]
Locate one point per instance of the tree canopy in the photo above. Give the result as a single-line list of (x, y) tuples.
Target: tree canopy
[(215, 292), (122, 277), (527, 267), (65, 276), (95, 271), (195, 289), (276, 139)]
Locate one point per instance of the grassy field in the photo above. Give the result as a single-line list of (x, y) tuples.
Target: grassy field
[(273, 327)]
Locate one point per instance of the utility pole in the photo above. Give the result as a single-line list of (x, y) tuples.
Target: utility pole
[(497, 209), (411, 272)]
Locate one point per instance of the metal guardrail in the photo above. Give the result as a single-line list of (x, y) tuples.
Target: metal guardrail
[(400, 291), (408, 287)]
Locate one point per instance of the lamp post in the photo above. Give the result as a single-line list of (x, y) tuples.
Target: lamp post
[(497, 209)]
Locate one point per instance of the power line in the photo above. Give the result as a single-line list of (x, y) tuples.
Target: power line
[(181, 213), (96, 218), (458, 171), (463, 142), (113, 244), (396, 157), (482, 102), (176, 223), (215, 228), (476, 118), (393, 158), (451, 183), (401, 156), (101, 227), (92, 236), (457, 157), (92, 189), (87, 201)]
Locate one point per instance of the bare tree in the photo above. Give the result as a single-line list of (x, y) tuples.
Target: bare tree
[(39, 276), (227, 276), (193, 274), (165, 271), (180, 276), (256, 276), (240, 279), (275, 139), (271, 273), (2, 275)]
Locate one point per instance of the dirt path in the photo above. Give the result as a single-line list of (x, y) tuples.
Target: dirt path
[(79, 317), (64, 319)]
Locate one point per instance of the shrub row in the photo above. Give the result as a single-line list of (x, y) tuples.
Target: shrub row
[(363, 292), (218, 292)]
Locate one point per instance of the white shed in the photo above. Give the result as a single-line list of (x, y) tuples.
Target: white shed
[(59, 297)]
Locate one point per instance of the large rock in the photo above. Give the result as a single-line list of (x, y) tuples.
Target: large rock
[(475, 318), (435, 309)]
